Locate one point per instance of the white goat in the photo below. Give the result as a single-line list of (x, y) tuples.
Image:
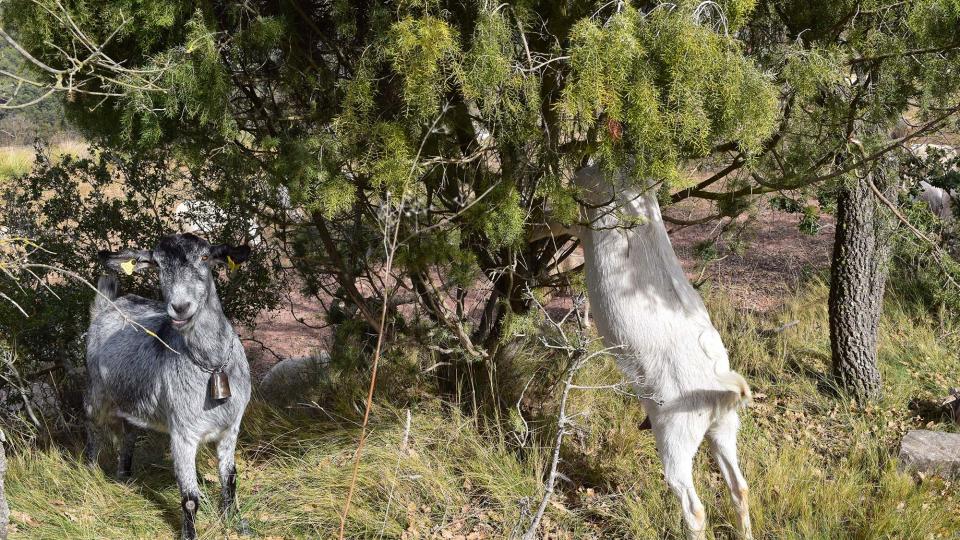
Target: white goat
[(643, 302), (206, 218), (938, 199)]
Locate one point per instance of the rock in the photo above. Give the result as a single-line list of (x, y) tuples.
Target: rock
[(931, 452), (292, 379)]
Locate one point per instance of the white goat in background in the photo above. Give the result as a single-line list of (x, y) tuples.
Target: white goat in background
[(643, 302), (938, 199), (206, 218)]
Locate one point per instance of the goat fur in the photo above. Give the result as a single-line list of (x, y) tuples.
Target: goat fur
[(642, 302), (137, 381)]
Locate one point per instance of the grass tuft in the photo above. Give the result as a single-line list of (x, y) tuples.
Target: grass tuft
[(15, 161)]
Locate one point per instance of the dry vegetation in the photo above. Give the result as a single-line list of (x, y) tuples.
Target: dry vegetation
[(820, 466), (18, 160)]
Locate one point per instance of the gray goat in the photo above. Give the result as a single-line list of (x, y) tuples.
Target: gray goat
[(137, 381)]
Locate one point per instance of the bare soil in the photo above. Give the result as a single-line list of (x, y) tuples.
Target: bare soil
[(764, 259)]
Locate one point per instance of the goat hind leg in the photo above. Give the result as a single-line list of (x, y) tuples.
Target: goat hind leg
[(91, 451), (677, 446), (128, 443), (723, 447), (226, 456)]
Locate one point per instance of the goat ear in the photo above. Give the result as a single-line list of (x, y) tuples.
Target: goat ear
[(229, 255), (127, 261)]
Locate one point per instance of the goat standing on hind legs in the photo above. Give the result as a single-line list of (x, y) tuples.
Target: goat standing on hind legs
[(194, 384), (643, 302)]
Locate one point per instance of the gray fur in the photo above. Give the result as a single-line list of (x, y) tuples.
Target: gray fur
[(135, 381)]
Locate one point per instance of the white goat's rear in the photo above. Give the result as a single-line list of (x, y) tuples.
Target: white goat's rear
[(643, 302)]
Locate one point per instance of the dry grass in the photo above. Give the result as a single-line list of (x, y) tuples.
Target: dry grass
[(15, 161), (18, 160), (820, 466)]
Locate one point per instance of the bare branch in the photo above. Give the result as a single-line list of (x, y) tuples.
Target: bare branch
[(86, 69)]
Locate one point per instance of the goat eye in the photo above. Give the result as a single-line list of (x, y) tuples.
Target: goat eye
[(204, 258)]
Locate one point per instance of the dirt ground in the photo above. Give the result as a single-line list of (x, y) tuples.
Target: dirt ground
[(768, 261), (757, 268)]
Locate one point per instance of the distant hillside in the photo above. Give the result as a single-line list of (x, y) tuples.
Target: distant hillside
[(44, 120)]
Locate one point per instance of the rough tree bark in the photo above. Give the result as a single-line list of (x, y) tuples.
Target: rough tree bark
[(4, 509), (861, 260)]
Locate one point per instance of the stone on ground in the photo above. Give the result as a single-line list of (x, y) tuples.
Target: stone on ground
[(292, 379), (931, 452)]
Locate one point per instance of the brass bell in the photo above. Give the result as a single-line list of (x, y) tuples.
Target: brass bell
[(219, 386)]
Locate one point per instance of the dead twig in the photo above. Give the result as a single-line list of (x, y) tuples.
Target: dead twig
[(774, 331), (577, 350)]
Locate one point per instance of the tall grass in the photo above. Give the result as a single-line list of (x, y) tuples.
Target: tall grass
[(15, 161), (18, 160), (820, 466)]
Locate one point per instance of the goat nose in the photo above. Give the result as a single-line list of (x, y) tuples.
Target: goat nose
[(181, 309)]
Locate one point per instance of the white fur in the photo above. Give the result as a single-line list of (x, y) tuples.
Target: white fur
[(205, 218), (938, 199), (643, 302)]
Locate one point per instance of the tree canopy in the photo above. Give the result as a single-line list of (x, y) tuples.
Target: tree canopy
[(468, 119)]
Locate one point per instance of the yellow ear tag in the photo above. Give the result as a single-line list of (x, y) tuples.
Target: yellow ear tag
[(231, 265), (128, 266)]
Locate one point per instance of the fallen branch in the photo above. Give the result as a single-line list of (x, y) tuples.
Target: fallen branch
[(577, 353), (562, 422), (779, 329)]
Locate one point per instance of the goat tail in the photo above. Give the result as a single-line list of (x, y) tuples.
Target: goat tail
[(737, 391), (107, 290)]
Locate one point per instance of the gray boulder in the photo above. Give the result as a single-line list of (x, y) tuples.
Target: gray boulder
[(931, 452), (291, 380)]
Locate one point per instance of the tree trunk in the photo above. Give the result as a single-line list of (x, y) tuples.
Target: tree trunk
[(861, 256), (4, 509)]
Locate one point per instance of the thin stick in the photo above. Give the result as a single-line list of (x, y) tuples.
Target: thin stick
[(562, 423), (390, 246), (373, 384), (396, 472)]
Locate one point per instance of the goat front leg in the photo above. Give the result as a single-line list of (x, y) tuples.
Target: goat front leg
[(184, 453), (226, 455), (723, 446)]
